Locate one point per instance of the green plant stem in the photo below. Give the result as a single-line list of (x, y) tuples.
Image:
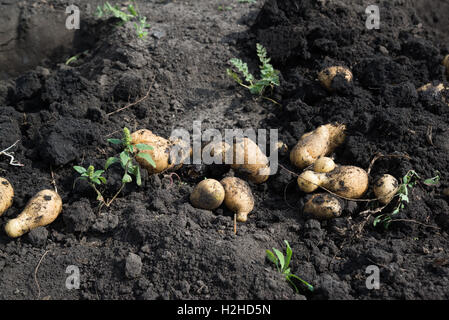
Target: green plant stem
[(121, 187)]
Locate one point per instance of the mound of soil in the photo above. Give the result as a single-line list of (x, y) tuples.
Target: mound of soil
[(151, 243)]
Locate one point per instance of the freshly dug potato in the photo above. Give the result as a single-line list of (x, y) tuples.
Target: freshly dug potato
[(6, 195), (318, 143), (385, 188), (446, 63), (251, 161), (40, 211), (208, 194), (161, 153), (346, 181), (324, 164), (327, 76), (323, 206), (282, 148), (238, 197)]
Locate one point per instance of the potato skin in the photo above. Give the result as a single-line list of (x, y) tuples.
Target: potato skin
[(318, 143), (6, 195), (208, 194), (309, 181), (40, 211), (385, 188), (324, 164), (238, 197), (255, 162), (323, 206), (160, 153), (327, 75), (347, 181)]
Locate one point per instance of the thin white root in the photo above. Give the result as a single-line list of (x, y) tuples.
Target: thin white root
[(12, 161)]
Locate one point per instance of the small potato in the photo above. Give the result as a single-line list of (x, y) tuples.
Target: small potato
[(251, 161), (385, 188), (208, 194), (40, 211), (345, 181), (6, 195), (318, 143), (327, 76), (323, 206), (324, 164), (238, 197), (309, 181)]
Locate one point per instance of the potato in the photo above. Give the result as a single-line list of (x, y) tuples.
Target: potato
[(446, 63), (208, 194), (238, 197), (40, 211), (6, 195), (345, 181), (323, 206), (385, 188), (318, 143), (324, 164), (281, 148), (161, 153), (431, 89), (251, 161), (327, 76)]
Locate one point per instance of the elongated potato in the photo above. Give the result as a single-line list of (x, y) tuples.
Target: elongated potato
[(40, 211), (6, 195), (238, 197), (208, 194), (385, 188), (346, 181), (327, 76), (323, 206), (250, 161), (318, 143)]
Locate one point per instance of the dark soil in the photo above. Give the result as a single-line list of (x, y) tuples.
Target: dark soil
[(151, 243)]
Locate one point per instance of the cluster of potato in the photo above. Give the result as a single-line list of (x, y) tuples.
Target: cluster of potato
[(349, 182), (40, 211), (236, 194)]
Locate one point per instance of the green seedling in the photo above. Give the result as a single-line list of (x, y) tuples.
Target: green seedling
[(408, 182), (127, 157), (132, 14), (270, 76), (282, 263), (93, 177), (75, 57)]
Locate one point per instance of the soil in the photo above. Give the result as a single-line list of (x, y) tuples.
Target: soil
[(151, 243)]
